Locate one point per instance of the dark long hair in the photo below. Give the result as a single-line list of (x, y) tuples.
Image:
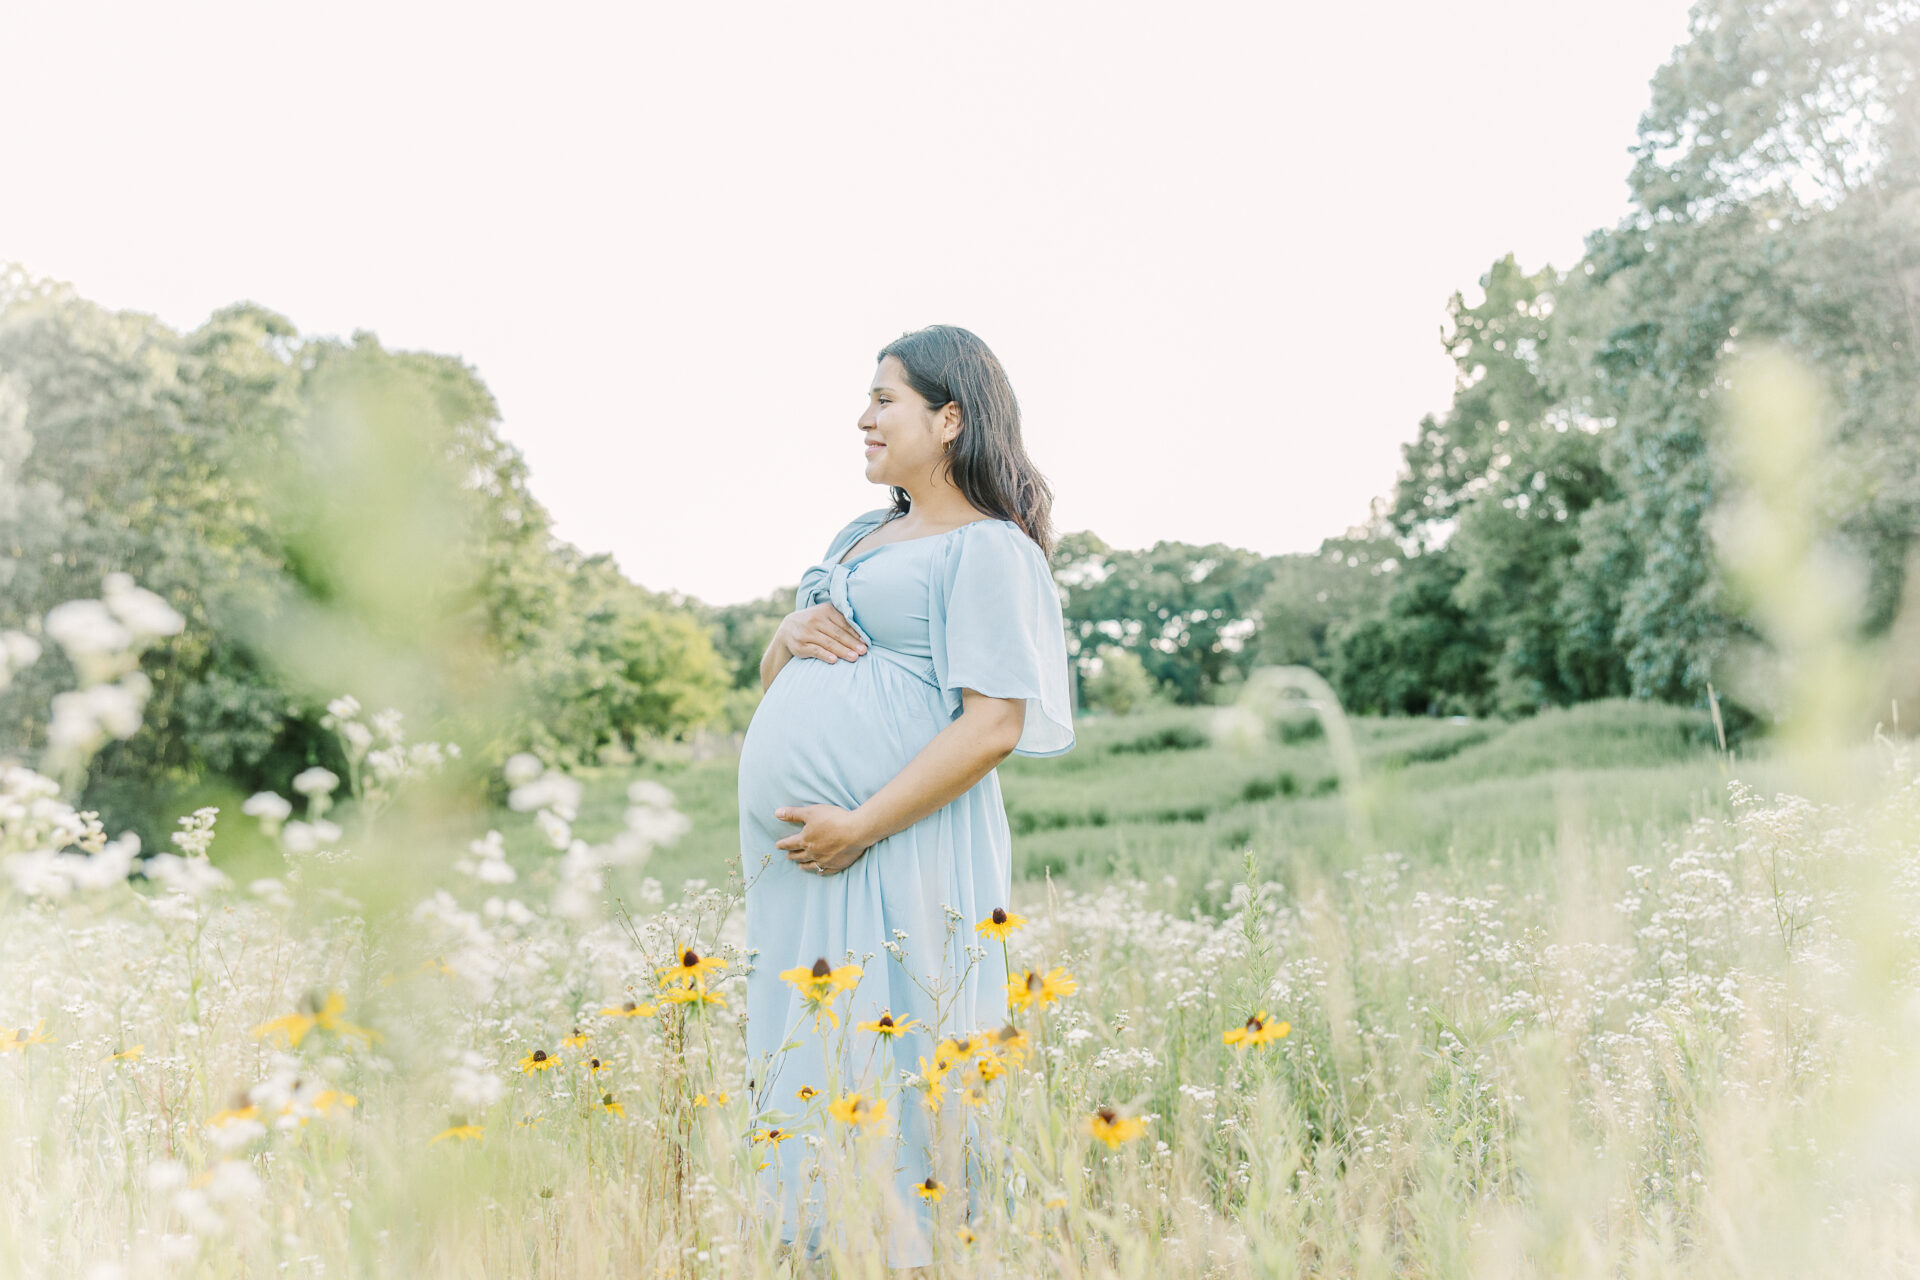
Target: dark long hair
[(988, 462)]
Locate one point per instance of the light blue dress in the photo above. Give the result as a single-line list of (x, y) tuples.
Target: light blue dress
[(975, 608)]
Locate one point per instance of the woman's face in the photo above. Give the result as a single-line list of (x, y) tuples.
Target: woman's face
[(909, 436)]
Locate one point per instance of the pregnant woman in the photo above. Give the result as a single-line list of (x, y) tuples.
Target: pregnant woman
[(925, 646)]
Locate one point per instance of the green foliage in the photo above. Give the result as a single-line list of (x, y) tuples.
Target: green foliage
[(1120, 685), (329, 517), (1186, 613), (1155, 795)]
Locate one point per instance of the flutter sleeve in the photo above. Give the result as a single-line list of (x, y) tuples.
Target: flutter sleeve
[(996, 628)]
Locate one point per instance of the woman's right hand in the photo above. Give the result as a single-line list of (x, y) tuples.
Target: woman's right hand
[(821, 631)]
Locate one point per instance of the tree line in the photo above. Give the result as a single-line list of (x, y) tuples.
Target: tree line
[(324, 510)]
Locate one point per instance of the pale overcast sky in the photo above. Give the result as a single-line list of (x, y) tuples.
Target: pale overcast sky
[(1211, 243)]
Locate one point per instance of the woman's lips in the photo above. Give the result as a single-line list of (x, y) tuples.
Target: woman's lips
[(874, 448)]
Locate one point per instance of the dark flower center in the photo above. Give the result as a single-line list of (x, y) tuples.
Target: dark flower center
[(539, 1055), (689, 960), (999, 915), (1254, 1023), (629, 1007), (1107, 1115), (886, 1020), (821, 969)]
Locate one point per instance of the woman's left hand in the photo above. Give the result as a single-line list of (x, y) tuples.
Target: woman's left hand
[(829, 838)]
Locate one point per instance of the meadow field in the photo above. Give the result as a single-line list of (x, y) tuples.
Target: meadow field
[(1576, 995)]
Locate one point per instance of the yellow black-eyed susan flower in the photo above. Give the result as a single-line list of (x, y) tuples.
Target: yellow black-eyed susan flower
[(691, 969), (772, 1137), (577, 1040), (1113, 1128), (593, 1065), (459, 1131), (324, 1015), (1023, 989), (857, 1109), (933, 1080), (538, 1060), (1012, 1044), (949, 1054), (822, 981), (610, 1103), (1259, 1030), (998, 925), (820, 984), (965, 1235), (129, 1054), (630, 1009), (886, 1027), (988, 1062), (930, 1190), (698, 997), (807, 1093), (20, 1039), (239, 1111)]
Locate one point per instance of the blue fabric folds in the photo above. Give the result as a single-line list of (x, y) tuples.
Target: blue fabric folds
[(996, 627)]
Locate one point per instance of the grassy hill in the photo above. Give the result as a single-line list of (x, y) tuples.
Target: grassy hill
[(1158, 795)]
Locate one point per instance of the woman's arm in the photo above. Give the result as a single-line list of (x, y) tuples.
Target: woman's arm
[(960, 755), (776, 657)]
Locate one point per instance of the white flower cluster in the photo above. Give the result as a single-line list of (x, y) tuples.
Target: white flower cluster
[(103, 639)]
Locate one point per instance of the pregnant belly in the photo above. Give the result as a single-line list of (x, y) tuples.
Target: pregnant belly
[(832, 733)]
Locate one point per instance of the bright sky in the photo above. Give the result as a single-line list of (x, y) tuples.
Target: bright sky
[(1212, 243)]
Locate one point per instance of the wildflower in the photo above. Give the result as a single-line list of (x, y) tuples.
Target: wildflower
[(998, 925), (807, 1093), (609, 1103), (691, 970), (20, 1039), (699, 1099), (989, 1063), (1259, 1030), (820, 984), (857, 1109), (459, 1130), (966, 1235), (886, 1027), (527, 1122), (1023, 990), (324, 1015), (1057, 983), (949, 1054), (233, 1115), (773, 1137), (694, 996), (327, 1099), (538, 1061), (930, 1190), (1113, 1128), (931, 1081), (628, 1010), (127, 1055), (577, 1040), (720, 1099), (1012, 1044), (594, 1066)]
